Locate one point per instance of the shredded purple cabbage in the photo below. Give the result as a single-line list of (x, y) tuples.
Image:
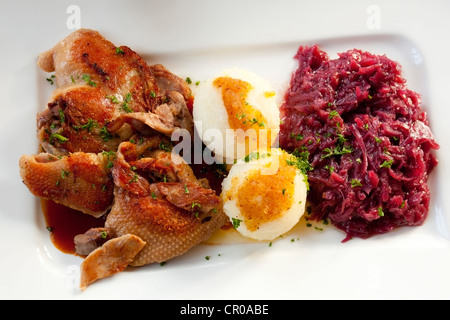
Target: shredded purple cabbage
[(366, 137)]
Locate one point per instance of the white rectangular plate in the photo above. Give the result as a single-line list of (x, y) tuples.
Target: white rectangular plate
[(405, 263)]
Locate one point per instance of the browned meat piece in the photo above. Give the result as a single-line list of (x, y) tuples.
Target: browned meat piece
[(90, 240), (111, 258), (150, 210), (77, 120), (190, 197), (168, 82), (165, 118), (168, 230), (101, 88), (80, 181)]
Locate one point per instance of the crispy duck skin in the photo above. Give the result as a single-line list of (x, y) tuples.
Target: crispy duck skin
[(79, 181), (101, 90), (168, 215)]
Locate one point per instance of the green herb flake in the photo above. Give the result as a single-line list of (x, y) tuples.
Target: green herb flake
[(380, 212), (164, 147), (134, 178), (87, 79), (387, 164), (57, 136), (62, 117), (195, 204), (88, 125), (64, 174), (50, 79), (333, 114), (300, 159), (236, 222), (119, 51), (126, 100), (105, 134), (113, 99), (355, 183)]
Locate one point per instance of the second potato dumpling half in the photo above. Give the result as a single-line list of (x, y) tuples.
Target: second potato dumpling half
[(264, 194)]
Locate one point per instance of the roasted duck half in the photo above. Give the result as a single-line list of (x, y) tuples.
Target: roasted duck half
[(104, 139)]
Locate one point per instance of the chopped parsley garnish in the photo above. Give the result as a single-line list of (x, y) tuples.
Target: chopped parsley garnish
[(113, 99), (87, 79), (333, 114), (380, 212), (337, 151), (255, 155), (105, 134), (62, 117), (164, 147), (64, 174), (119, 51), (355, 183), (387, 164), (126, 100), (300, 160), (134, 178), (297, 137), (52, 77), (188, 80), (110, 155), (195, 204), (330, 168), (57, 136), (236, 222), (88, 125)]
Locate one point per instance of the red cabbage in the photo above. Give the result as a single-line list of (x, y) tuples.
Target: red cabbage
[(366, 137)]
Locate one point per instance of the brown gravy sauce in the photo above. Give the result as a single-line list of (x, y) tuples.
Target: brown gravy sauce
[(65, 223)]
